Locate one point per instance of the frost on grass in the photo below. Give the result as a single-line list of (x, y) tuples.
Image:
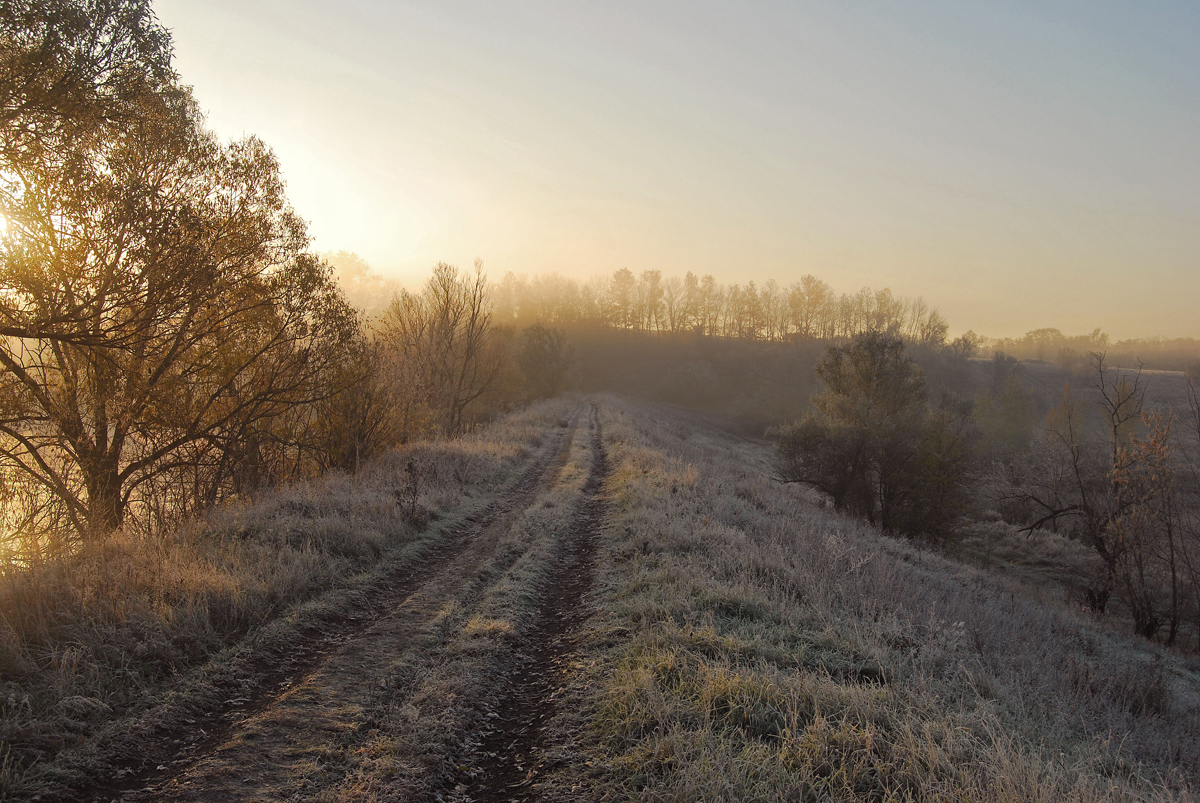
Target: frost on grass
[(752, 645), (114, 633)]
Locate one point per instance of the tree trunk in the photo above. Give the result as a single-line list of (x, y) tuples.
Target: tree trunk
[(105, 504)]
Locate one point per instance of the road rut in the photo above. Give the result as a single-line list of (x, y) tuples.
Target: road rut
[(513, 750), (259, 746)]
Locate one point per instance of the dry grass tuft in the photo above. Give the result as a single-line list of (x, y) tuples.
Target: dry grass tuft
[(483, 626)]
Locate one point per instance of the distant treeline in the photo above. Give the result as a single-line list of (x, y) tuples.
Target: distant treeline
[(1071, 352), (808, 309), (739, 351), (650, 302)]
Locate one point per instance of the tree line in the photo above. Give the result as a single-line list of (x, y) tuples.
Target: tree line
[(1099, 466), (1073, 353), (648, 302)]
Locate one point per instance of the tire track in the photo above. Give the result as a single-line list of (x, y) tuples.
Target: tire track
[(292, 700), (511, 753)]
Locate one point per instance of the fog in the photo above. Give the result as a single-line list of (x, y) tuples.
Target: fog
[(1032, 166)]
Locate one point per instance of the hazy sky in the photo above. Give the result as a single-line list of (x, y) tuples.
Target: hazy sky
[(1018, 164)]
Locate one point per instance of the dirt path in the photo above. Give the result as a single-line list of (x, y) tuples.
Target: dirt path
[(512, 750), (265, 745)]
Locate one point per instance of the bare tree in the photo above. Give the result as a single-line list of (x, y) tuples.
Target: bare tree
[(446, 341), (1084, 481), (674, 302), (649, 302)]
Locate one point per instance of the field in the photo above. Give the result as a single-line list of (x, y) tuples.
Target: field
[(594, 599)]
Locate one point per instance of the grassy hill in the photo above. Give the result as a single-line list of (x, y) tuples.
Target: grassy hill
[(751, 645), (594, 599)]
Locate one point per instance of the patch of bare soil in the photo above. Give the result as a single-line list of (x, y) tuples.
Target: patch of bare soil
[(512, 751), (270, 737)]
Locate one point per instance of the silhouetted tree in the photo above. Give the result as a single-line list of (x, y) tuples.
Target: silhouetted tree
[(73, 68), (545, 359), (445, 340), (71, 72), (874, 446), (157, 278)]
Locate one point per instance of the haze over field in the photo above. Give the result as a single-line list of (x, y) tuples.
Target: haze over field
[(707, 402), (1026, 166)]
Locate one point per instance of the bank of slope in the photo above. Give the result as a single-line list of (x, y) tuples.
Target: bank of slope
[(122, 661), (749, 645)]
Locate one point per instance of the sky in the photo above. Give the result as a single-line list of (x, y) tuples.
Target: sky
[(1018, 164)]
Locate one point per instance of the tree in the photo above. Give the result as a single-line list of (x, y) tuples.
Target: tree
[(1072, 480), (445, 339), (776, 315), (71, 72), (71, 68), (935, 488), (874, 446), (966, 345), (1188, 489), (622, 293), (545, 360), (366, 417), (708, 305), (1150, 576), (834, 458), (674, 304), (154, 289), (649, 295), (870, 383)]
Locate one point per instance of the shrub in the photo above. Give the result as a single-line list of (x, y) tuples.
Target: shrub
[(875, 447)]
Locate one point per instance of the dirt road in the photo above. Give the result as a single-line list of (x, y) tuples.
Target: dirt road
[(513, 746), (440, 694)]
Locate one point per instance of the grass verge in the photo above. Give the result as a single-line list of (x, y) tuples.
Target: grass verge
[(749, 645), (107, 652)]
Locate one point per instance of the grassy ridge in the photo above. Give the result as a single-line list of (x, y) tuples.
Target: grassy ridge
[(750, 645), (746, 644), (441, 697), (101, 648)]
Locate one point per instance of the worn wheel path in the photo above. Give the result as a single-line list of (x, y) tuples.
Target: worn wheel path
[(252, 749), (513, 751)]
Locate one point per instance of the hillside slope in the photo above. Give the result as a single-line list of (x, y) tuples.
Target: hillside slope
[(628, 607), (749, 644)]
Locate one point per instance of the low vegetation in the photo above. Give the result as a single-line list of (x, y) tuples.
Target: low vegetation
[(104, 649), (1104, 468), (750, 645)]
